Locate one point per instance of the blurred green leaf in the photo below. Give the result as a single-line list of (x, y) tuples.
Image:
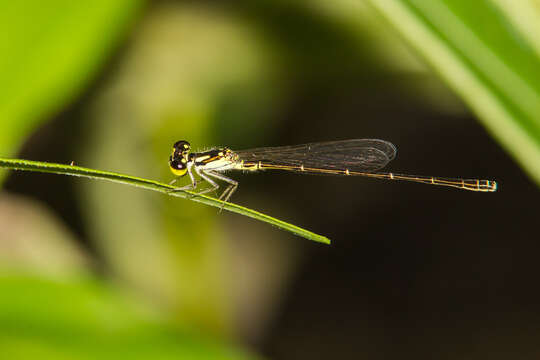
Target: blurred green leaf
[(83, 319), (48, 52), (487, 59), (17, 164), (174, 81)]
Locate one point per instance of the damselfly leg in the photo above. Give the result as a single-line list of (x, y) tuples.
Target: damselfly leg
[(231, 188)]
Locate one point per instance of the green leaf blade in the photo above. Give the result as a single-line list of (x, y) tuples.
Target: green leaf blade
[(28, 165), (497, 75), (48, 53)]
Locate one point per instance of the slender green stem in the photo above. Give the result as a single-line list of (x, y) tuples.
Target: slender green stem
[(27, 165)]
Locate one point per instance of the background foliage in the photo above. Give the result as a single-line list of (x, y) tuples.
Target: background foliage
[(98, 270)]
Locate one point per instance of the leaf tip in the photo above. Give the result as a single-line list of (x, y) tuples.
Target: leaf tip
[(324, 240)]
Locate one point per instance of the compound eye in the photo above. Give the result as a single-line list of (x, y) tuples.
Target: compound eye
[(178, 167), (182, 146)]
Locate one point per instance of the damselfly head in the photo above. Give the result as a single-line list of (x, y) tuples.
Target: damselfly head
[(178, 166), (179, 158), (181, 148)]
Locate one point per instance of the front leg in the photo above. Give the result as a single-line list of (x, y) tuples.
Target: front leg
[(191, 186)]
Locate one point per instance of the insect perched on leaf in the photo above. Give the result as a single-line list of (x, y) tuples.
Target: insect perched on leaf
[(358, 157)]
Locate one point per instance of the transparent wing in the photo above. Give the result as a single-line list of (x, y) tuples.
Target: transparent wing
[(355, 155)]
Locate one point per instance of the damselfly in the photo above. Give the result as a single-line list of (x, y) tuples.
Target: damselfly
[(359, 157)]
